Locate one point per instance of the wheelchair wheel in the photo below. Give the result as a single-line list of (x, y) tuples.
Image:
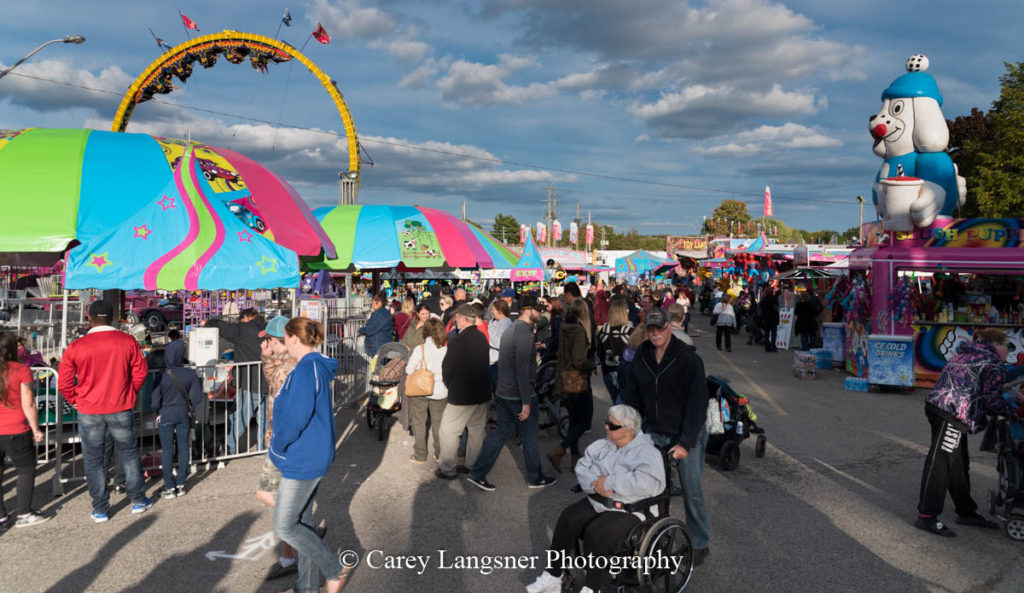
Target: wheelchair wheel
[(383, 424), (370, 420), (1015, 528), (760, 446), (729, 456), (667, 538)]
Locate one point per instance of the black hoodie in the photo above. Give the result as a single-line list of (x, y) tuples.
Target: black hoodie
[(166, 393), (671, 396)]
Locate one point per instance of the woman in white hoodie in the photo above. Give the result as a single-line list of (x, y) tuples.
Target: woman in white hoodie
[(432, 350), (624, 467)]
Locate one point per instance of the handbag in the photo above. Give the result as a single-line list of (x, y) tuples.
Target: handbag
[(193, 421), (421, 381), (573, 381)]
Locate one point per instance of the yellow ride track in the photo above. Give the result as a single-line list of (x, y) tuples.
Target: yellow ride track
[(235, 47)]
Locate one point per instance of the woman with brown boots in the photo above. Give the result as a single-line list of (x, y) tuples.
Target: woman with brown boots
[(572, 380)]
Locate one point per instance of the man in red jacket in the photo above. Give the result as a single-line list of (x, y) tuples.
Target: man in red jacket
[(100, 374)]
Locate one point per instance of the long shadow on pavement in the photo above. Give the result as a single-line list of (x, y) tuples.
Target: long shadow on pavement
[(81, 578)]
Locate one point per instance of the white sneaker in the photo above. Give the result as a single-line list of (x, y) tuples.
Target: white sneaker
[(545, 583), (586, 590)]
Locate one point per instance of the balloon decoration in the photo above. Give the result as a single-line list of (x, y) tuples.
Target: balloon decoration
[(904, 301)]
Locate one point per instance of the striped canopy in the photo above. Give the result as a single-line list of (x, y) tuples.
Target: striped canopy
[(150, 212), (374, 237)]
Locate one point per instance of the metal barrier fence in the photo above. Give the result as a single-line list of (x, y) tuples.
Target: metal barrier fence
[(231, 425)]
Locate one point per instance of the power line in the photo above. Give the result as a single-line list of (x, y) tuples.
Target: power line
[(449, 152)]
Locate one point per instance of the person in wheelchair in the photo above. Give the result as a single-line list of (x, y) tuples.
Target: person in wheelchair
[(623, 468)]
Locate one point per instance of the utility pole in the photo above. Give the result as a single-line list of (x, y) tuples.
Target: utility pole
[(463, 210), (551, 215), (860, 218)]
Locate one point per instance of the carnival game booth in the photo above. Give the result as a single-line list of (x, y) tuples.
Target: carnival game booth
[(135, 212), (976, 269), (640, 264)]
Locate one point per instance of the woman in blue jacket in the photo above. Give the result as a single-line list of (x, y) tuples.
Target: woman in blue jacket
[(378, 327), (302, 447)]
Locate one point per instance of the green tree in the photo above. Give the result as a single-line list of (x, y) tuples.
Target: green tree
[(731, 216), (998, 186), (506, 228)]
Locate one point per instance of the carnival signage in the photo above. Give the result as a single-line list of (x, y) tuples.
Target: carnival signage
[(674, 244), (953, 232)]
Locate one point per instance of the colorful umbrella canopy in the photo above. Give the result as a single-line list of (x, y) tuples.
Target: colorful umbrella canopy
[(385, 237), (640, 262), (151, 212)]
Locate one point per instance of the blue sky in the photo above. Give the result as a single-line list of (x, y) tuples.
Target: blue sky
[(694, 102)]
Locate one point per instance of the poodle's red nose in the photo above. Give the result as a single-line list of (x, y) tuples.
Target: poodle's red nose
[(879, 131)]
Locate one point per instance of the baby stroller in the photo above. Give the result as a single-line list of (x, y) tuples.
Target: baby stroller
[(1006, 503), (551, 412), (730, 421), (387, 387)]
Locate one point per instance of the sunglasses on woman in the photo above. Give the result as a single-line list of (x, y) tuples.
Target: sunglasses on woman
[(612, 427)]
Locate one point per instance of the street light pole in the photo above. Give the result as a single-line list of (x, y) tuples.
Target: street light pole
[(76, 39), (860, 218)]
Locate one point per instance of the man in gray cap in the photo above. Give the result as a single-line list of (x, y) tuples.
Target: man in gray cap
[(466, 373), (100, 374), (667, 386)]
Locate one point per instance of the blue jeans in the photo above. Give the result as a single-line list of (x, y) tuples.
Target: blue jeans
[(293, 523), (247, 404), (625, 368), (581, 411), (94, 428), (529, 435), (690, 471), (611, 383), (171, 424)]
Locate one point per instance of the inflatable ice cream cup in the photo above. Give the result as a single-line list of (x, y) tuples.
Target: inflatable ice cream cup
[(900, 193)]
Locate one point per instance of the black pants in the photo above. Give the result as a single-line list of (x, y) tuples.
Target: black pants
[(602, 533), (946, 469), (725, 330), (770, 334), (21, 450)]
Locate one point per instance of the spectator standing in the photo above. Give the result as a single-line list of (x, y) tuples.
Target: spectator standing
[(516, 400), (676, 317), (302, 448), (465, 375), (414, 337), (805, 319), (725, 322), (245, 335), (573, 358), (19, 431), (430, 355), (611, 343), (667, 386), (378, 327), (769, 308), (404, 318), (602, 303), (176, 391), (500, 322), (101, 374), (684, 301)]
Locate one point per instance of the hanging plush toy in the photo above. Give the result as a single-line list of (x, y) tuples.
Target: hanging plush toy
[(917, 180)]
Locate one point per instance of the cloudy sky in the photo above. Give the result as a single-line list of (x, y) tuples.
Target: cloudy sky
[(647, 113)]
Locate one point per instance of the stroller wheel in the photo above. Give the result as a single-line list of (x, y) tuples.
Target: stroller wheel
[(729, 456), (1015, 528), (382, 428), (760, 446), (370, 420)]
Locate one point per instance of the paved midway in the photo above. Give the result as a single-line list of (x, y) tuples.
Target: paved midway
[(828, 509)]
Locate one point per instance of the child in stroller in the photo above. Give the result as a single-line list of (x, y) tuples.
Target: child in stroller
[(1005, 437), (730, 421), (387, 387)]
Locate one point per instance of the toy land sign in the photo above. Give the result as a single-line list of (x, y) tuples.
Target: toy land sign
[(674, 245)]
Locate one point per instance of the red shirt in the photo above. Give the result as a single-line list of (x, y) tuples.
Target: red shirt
[(13, 420), (101, 372)]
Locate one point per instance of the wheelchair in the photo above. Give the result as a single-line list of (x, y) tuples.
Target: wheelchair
[(656, 535)]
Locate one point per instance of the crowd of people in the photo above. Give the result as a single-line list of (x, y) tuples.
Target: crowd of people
[(470, 357)]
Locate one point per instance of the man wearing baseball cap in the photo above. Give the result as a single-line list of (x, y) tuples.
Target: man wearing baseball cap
[(666, 385), (100, 374)]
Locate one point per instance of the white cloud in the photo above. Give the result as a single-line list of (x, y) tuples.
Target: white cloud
[(642, 138), (475, 84), (766, 139), (29, 86), (348, 19), (408, 51)]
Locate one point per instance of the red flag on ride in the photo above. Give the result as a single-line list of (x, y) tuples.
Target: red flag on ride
[(189, 23), (768, 201), (321, 35)]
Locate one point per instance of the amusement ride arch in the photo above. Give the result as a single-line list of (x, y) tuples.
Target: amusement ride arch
[(236, 47)]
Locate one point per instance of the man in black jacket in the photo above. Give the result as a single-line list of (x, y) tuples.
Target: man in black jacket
[(668, 387), (466, 373), (245, 336)]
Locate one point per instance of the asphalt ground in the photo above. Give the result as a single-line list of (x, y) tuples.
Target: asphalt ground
[(829, 508)]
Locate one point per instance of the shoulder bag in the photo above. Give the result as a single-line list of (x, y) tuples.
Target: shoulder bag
[(572, 381), (188, 403), (421, 381)]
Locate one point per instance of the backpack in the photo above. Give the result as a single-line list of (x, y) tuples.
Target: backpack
[(613, 344)]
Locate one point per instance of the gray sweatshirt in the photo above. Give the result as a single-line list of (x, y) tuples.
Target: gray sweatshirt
[(517, 363), (634, 472)]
